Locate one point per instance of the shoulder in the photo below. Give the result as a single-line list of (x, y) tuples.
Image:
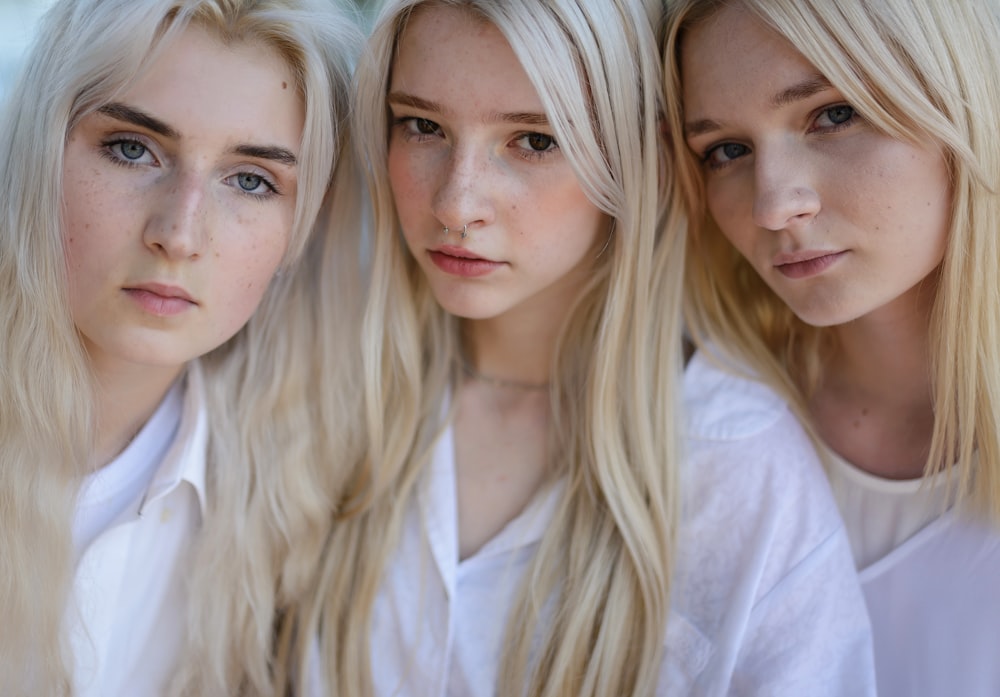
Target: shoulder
[(748, 456), (763, 561), (726, 405)]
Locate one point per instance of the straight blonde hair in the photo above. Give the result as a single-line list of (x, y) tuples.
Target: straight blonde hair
[(920, 71), (603, 567), (87, 52)]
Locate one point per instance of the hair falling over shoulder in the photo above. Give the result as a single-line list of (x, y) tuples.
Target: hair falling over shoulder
[(88, 51), (604, 565), (916, 70)]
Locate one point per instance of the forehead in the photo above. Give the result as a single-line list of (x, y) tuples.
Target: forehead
[(733, 56), (200, 84), (456, 58)]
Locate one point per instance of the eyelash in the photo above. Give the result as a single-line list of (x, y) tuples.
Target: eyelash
[(410, 124), (107, 151), (706, 156)]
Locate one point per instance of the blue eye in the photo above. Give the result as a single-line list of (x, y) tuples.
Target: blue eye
[(128, 152), (835, 116), (724, 153), (252, 184), (248, 181), (131, 150)]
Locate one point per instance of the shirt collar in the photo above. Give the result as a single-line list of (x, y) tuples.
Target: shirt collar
[(185, 460), (437, 500)]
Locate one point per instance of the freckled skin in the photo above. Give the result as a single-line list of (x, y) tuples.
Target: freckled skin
[(524, 209), (803, 184), (176, 214)]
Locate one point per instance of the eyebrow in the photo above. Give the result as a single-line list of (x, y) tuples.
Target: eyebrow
[(790, 95), (137, 117), (802, 90), (404, 99), (268, 152), (522, 117)]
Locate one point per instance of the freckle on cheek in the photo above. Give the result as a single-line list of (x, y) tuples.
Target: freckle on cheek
[(284, 85)]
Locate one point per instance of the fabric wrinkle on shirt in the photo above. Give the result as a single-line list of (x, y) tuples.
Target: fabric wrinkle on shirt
[(765, 599), (126, 618)]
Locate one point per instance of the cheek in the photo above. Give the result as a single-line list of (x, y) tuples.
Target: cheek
[(407, 178), (244, 274), (726, 208)]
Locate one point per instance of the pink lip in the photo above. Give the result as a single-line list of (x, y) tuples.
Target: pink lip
[(160, 299), (806, 263), (459, 261)]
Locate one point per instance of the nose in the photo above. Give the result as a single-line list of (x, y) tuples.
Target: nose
[(466, 184), (784, 195), (177, 226)]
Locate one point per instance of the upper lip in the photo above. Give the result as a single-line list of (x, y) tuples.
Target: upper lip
[(783, 258), (164, 290), (460, 252)]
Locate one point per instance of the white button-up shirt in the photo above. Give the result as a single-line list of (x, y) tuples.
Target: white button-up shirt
[(765, 599), (126, 617)]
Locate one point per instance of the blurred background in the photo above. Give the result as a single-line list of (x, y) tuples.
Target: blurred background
[(18, 19), (17, 25)]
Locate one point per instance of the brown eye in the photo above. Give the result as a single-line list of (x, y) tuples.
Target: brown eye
[(539, 142), (426, 126)]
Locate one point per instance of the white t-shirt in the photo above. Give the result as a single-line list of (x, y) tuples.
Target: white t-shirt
[(125, 620), (931, 583), (765, 600)]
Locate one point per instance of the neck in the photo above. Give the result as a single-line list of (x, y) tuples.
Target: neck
[(126, 397), (510, 354), (875, 404)]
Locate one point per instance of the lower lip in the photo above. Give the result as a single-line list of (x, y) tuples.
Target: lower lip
[(460, 266), (158, 304), (810, 267)]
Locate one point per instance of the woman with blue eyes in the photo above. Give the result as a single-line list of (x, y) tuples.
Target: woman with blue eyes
[(841, 167), (164, 165), (542, 507)]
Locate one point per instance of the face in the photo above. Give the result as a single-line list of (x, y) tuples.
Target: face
[(179, 201), (841, 221), (471, 149)]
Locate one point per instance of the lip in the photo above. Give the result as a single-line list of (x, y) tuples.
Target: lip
[(160, 299), (806, 263), (459, 261)]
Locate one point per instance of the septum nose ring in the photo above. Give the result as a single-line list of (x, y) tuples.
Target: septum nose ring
[(463, 234)]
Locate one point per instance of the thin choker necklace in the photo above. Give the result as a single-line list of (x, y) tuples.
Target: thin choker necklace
[(469, 370)]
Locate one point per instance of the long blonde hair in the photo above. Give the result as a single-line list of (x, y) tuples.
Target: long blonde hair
[(920, 71), (87, 52), (605, 560)]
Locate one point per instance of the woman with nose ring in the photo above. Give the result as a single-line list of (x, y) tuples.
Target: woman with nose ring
[(544, 507)]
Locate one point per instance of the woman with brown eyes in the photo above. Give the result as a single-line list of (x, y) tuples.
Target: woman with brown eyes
[(545, 505), (164, 165), (841, 167)]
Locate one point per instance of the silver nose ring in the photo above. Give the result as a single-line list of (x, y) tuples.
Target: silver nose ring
[(463, 234)]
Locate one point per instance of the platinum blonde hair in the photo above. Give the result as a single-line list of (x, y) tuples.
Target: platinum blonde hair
[(920, 71), (604, 565), (87, 52)]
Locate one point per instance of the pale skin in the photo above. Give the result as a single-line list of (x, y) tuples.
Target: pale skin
[(471, 145), (846, 224), (178, 209)]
